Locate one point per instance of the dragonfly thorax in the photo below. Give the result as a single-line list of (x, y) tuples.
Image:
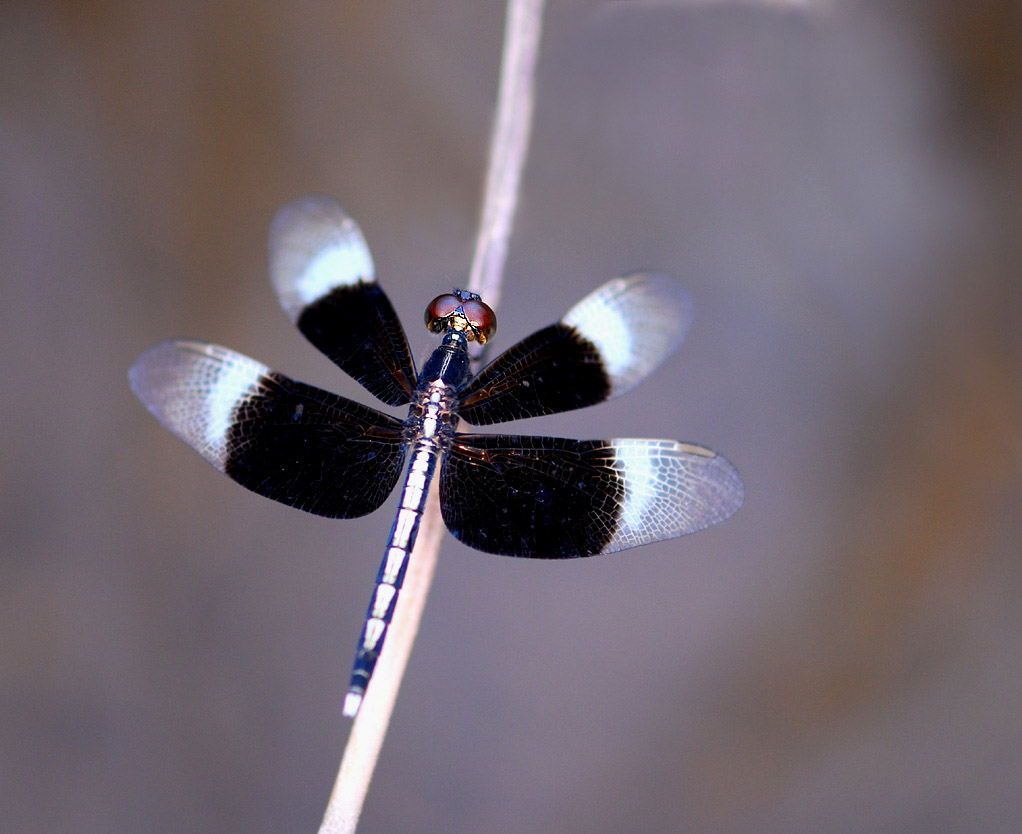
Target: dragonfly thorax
[(448, 364)]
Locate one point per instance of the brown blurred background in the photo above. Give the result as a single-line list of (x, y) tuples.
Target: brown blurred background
[(838, 187)]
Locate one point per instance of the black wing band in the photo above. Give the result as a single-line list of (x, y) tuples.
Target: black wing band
[(553, 370), (357, 328)]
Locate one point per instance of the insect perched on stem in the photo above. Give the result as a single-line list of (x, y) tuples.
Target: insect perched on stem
[(516, 495)]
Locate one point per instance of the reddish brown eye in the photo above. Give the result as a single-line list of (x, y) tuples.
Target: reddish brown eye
[(443, 305), (482, 319), (439, 309)]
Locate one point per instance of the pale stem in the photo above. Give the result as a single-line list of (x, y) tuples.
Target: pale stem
[(509, 146), (370, 725)]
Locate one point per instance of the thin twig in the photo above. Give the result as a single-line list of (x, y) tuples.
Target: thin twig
[(508, 150), (370, 725), (508, 147)]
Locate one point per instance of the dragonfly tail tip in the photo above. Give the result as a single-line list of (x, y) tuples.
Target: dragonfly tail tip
[(352, 701)]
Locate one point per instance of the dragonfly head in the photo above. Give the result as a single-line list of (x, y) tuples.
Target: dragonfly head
[(463, 311)]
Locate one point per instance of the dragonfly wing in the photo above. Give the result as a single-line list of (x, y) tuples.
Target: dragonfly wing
[(605, 345), (324, 277), (556, 498), (288, 441)]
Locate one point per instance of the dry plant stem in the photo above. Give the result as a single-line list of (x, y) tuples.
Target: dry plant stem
[(370, 724), (507, 157), (508, 147)]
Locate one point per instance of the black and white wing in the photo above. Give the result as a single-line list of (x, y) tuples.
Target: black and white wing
[(605, 345), (323, 274), (296, 444), (556, 498)]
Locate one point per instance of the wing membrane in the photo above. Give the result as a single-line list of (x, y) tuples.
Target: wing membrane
[(556, 498), (323, 274), (288, 441), (605, 345)]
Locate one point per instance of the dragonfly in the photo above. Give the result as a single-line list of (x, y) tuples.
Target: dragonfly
[(515, 495)]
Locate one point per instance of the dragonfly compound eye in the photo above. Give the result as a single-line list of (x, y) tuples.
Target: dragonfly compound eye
[(481, 318), (440, 310)]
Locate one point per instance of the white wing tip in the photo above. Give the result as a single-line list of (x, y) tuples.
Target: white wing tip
[(635, 322), (315, 247)]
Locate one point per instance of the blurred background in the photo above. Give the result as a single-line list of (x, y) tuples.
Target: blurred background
[(837, 186)]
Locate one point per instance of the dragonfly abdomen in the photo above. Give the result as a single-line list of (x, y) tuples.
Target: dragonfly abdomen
[(431, 425)]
